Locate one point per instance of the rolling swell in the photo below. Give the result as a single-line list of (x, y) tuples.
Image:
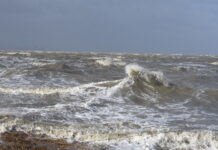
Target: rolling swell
[(139, 85), (138, 80), (140, 88)]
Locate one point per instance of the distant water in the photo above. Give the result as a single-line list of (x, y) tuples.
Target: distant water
[(121, 101)]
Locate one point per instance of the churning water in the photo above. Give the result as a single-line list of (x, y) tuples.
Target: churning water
[(121, 101)]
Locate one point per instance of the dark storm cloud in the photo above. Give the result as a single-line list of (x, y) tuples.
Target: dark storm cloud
[(163, 26)]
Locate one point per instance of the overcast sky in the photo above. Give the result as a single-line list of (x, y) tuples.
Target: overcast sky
[(145, 26)]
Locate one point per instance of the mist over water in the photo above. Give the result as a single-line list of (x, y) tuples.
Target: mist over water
[(118, 100)]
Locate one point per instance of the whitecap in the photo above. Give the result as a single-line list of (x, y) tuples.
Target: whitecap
[(104, 62), (107, 61), (214, 63)]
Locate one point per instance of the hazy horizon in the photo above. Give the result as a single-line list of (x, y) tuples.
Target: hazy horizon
[(168, 27)]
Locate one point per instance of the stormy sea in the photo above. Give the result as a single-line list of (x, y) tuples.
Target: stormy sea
[(112, 101)]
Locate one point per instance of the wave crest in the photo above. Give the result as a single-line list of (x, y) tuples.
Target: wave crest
[(137, 72)]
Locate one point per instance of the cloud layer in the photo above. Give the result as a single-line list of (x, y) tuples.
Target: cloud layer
[(169, 26)]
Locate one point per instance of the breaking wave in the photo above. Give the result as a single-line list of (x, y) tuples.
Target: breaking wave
[(137, 72), (138, 80), (119, 138)]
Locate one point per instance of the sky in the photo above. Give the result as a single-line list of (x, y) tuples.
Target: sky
[(132, 26)]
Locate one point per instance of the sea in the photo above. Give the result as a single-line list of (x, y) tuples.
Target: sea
[(112, 101)]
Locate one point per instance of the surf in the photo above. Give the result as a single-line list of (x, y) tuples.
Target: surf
[(137, 78)]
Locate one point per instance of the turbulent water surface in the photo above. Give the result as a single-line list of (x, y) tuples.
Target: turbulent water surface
[(121, 101)]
